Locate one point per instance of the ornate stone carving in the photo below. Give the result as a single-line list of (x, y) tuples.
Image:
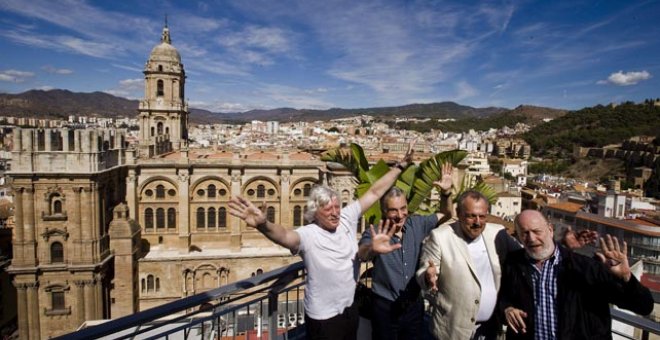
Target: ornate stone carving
[(50, 232)]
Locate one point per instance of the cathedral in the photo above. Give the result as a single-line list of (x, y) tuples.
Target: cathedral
[(105, 228)]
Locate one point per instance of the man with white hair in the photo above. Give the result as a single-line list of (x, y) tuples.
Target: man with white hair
[(328, 248)]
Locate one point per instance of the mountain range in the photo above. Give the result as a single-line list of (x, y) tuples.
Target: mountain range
[(63, 103)]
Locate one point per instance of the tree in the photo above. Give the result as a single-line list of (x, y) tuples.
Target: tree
[(415, 181)]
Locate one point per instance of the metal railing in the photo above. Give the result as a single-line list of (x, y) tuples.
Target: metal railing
[(267, 306), (247, 309)]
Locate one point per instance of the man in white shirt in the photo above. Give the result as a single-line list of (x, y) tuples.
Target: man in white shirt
[(328, 248)]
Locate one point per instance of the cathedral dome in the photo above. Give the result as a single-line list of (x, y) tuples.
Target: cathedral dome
[(164, 51)]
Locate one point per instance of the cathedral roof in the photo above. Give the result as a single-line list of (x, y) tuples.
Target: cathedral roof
[(165, 51)]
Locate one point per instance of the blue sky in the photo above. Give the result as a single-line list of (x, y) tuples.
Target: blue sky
[(254, 54)]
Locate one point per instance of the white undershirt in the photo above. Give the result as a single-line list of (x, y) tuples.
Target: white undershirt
[(481, 261)]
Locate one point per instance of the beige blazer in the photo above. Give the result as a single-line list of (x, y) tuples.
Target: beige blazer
[(456, 303)]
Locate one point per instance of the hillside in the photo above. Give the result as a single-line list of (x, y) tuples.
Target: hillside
[(62, 103), (594, 127)]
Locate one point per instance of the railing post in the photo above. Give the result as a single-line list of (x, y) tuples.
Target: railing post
[(272, 314)]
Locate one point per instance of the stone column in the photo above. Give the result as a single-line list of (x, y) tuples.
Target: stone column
[(74, 223), (285, 208), (29, 255), (131, 195), (90, 303), (19, 226), (183, 219), (33, 310), (79, 306), (235, 225), (21, 304)]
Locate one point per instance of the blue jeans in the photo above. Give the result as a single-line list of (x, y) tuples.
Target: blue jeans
[(400, 320)]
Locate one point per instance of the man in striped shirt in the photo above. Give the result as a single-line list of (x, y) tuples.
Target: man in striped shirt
[(549, 292)]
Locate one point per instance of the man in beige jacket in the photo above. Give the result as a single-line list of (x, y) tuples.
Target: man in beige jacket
[(460, 270)]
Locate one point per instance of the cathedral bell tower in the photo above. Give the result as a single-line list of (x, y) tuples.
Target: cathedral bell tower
[(163, 113)]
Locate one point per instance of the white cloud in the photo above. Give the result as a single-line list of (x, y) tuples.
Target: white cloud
[(625, 79), (15, 76), (128, 88), (465, 90), (62, 71), (45, 88)]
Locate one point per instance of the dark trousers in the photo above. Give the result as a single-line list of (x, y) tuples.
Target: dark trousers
[(400, 320), (485, 330), (339, 327)]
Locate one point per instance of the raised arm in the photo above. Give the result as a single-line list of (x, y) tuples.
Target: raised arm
[(255, 218), (445, 184), (378, 189), (379, 241)]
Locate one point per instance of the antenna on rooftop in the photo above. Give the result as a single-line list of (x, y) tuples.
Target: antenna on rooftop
[(165, 19)]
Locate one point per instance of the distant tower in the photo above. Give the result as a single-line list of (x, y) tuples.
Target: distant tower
[(163, 113)]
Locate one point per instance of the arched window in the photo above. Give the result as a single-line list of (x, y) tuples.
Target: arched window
[(148, 218), (153, 131), (160, 68), (261, 191), (56, 252), (306, 189), (159, 128), (57, 207), (270, 214), (211, 218), (171, 218), (211, 191), (222, 218), (200, 218), (144, 286), (160, 191), (159, 88), (150, 283), (157, 284), (260, 271), (207, 281), (297, 216), (160, 218)]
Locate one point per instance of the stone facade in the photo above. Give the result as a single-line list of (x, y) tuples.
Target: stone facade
[(104, 229)]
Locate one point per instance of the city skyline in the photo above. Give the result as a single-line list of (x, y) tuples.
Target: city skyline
[(264, 54)]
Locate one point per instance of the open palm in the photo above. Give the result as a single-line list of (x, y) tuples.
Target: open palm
[(380, 239)]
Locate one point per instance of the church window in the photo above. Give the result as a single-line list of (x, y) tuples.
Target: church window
[(159, 128), (57, 207), (271, 192), (297, 192), (297, 216), (160, 218), (152, 131), (200, 192), (261, 191), (158, 284), (167, 130), (149, 192), (149, 218), (306, 189), (171, 192), (270, 214), (211, 191), (57, 300), (222, 192), (171, 218), (160, 68), (160, 191), (150, 283), (207, 281), (260, 271), (159, 91), (211, 218), (144, 286), (56, 252), (222, 218), (250, 192), (200, 218)]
